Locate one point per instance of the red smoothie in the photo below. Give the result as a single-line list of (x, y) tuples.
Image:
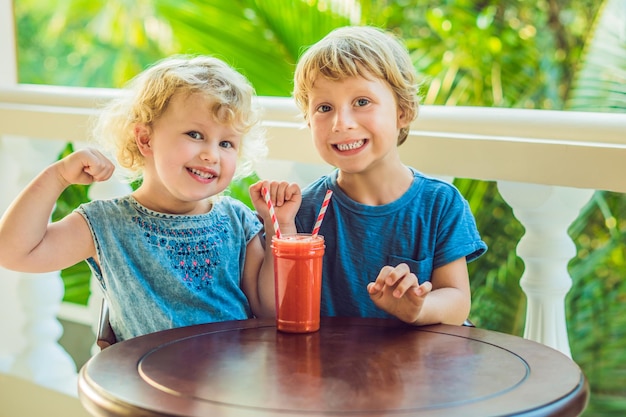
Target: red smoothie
[(298, 280)]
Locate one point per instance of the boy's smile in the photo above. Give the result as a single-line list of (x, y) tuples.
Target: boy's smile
[(350, 145), (355, 123)]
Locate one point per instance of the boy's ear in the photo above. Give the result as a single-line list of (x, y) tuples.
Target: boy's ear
[(403, 121), (143, 138)]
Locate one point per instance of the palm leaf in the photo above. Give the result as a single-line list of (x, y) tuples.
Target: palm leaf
[(601, 82), (76, 281), (267, 39)]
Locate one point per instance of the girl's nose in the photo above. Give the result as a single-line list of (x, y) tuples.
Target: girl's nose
[(210, 152)]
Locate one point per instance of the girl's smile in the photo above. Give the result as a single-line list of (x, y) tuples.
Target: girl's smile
[(201, 175), (189, 157)]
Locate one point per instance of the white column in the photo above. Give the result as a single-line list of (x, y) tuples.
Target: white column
[(29, 302), (546, 212), (8, 56)]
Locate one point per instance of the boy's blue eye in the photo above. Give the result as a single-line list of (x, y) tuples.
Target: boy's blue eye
[(362, 102), (324, 108), (226, 144), (195, 135)]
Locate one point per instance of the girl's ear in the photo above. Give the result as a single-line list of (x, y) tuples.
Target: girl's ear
[(143, 138)]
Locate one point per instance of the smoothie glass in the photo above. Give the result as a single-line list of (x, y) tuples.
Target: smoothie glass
[(298, 281)]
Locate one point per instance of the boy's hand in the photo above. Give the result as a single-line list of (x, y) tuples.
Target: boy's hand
[(397, 291), (85, 167), (286, 198)]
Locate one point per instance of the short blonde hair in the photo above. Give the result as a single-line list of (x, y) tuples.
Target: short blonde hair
[(358, 51), (148, 94)]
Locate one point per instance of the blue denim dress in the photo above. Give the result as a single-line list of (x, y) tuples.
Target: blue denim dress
[(160, 271)]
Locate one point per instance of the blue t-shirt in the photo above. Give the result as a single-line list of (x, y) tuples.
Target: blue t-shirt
[(430, 226), (160, 271)]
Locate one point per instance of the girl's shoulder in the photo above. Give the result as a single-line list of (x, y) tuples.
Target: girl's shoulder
[(235, 209), (231, 204), (108, 206)]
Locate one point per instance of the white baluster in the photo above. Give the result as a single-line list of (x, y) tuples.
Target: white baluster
[(11, 341), (11, 323), (30, 329), (546, 212), (43, 360)]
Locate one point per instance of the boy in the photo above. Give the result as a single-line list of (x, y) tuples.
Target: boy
[(411, 234)]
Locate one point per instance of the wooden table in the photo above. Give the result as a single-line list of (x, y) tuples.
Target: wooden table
[(351, 367)]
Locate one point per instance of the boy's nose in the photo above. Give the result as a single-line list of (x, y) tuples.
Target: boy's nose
[(343, 120)]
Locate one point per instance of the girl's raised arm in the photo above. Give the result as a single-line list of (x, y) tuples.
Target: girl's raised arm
[(28, 241)]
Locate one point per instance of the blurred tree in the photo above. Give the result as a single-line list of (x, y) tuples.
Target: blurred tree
[(88, 43)]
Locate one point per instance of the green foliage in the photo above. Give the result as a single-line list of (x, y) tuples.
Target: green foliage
[(268, 38), (56, 41), (76, 281), (491, 53), (595, 307), (239, 189), (600, 85)]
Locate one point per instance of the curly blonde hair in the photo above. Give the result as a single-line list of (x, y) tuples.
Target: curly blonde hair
[(353, 51), (147, 96)]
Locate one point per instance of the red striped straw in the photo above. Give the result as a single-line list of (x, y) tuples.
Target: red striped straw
[(270, 207), (320, 216)]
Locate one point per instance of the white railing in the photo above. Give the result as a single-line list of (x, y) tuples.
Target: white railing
[(547, 165)]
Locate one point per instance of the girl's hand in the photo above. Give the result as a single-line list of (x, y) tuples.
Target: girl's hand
[(397, 291), (85, 167), (285, 197)]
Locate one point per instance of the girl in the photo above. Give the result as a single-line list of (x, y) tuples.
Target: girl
[(174, 252)]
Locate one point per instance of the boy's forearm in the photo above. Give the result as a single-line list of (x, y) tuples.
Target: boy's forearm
[(444, 305)]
